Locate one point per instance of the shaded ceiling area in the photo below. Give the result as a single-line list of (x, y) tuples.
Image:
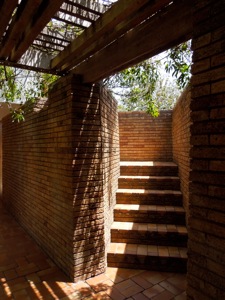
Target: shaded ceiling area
[(92, 38)]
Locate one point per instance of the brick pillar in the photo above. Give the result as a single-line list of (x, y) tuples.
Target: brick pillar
[(87, 182), (206, 264), (95, 170), (60, 170)]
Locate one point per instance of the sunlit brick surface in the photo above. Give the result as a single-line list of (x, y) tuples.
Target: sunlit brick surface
[(145, 138), (27, 273), (60, 171)]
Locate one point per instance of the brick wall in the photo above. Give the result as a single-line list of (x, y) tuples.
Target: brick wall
[(111, 158), (206, 264), (54, 174), (181, 143), (144, 138)]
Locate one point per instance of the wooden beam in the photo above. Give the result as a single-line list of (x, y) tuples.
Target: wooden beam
[(166, 29), (54, 38), (85, 8), (6, 7), (44, 14), (23, 15), (71, 23), (76, 15), (64, 36), (27, 67), (101, 33)]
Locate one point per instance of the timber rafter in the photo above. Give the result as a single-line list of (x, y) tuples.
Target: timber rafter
[(172, 26), (90, 38), (28, 23)]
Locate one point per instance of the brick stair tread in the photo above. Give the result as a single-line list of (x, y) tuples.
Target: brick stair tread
[(147, 250), (140, 207), (150, 192), (149, 177), (142, 227), (148, 163)]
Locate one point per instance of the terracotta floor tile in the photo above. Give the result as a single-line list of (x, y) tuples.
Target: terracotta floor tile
[(74, 296), (124, 284), (22, 261), (171, 228), (152, 227), (164, 296), (6, 267), (142, 227), (140, 296), (132, 290), (21, 295), (121, 248), (170, 287), (115, 294), (153, 291), (142, 250), (182, 296), (10, 274), (152, 250), (183, 252), (33, 278), (155, 277), (129, 273), (100, 296), (17, 284), (131, 249), (163, 251), (178, 280), (113, 247), (142, 281), (43, 290), (173, 252), (96, 280), (40, 279), (112, 274), (32, 292), (5, 290), (4, 297), (102, 286), (28, 269)]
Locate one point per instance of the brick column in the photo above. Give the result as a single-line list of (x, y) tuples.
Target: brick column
[(60, 170), (87, 182), (206, 264), (95, 175)]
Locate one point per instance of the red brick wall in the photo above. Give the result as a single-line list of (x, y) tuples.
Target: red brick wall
[(111, 158), (54, 174), (181, 143), (144, 138), (206, 264)]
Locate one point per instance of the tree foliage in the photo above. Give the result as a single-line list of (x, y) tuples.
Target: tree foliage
[(20, 86), (179, 63), (136, 86), (155, 83), (146, 86)]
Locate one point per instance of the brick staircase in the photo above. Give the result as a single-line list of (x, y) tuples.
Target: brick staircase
[(149, 229)]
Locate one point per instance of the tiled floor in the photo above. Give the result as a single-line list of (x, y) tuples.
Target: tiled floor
[(26, 273)]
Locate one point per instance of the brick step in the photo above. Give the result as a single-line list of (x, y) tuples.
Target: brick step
[(148, 168), (149, 182), (149, 234), (149, 214), (151, 197), (147, 257)]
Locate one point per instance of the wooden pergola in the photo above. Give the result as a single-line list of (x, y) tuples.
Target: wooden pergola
[(92, 38)]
